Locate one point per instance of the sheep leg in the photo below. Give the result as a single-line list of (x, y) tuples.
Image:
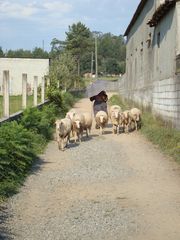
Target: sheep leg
[(127, 128), (101, 130), (79, 137), (136, 125), (114, 129), (89, 131), (75, 137), (58, 141), (62, 144), (118, 129)]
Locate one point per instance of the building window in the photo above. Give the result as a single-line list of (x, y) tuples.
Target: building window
[(158, 39)]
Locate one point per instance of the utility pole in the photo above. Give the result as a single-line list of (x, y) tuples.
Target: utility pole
[(92, 60), (96, 56)]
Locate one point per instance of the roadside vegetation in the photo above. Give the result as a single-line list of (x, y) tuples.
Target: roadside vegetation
[(23, 140), (155, 129)]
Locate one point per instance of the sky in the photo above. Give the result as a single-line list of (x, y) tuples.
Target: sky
[(29, 24)]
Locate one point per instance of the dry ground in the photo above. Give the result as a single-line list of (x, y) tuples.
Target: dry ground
[(109, 187)]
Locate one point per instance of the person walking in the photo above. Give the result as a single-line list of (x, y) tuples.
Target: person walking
[(100, 102)]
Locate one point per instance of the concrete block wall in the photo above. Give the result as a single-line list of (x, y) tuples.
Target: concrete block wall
[(166, 99), (162, 96)]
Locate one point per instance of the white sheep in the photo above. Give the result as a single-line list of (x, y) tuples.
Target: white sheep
[(135, 114), (115, 111), (101, 119), (115, 107), (87, 122), (126, 120), (63, 130), (70, 114), (78, 123)]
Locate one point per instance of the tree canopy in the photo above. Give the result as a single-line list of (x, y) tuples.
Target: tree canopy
[(78, 41), (80, 45)]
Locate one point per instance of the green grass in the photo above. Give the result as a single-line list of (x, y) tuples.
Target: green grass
[(16, 103), (116, 99), (109, 78), (155, 129)]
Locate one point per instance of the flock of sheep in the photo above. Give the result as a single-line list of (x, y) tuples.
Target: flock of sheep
[(75, 123)]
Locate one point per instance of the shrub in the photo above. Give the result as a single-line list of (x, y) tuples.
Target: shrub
[(18, 149), (40, 121), (20, 142), (55, 97), (67, 101)]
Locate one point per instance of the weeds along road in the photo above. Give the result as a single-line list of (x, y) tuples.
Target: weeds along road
[(107, 188)]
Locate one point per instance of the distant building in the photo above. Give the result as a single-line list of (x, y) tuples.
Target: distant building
[(153, 58), (17, 66)]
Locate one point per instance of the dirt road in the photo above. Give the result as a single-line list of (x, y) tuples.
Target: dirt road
[(107, 188)]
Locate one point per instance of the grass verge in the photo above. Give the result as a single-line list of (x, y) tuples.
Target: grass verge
[(155, 129)]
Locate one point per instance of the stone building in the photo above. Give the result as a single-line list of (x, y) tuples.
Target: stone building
[(17, 66), (153, 58)]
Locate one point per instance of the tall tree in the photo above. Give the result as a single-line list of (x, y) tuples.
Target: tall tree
[(62, 71), (57, 46), (111, 53), (78, 41)]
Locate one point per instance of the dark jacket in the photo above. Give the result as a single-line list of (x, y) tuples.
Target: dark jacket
[(100, 102)]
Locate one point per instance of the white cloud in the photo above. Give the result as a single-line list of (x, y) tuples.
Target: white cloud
[(57, 6), (16, 10), (11, 9)]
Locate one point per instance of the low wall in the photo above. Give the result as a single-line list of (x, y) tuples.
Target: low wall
[(16, 116)]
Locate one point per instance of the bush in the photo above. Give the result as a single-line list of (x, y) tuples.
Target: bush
[(67, 101), (18, 149), (55, 97), (40, 122), (20, 142)]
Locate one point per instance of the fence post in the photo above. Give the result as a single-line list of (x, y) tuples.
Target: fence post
[(35, 90), (24, 90), (42, 89), (5, 93), (47, 81)]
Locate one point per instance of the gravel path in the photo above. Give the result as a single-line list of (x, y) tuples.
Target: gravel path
[(107, 188)]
